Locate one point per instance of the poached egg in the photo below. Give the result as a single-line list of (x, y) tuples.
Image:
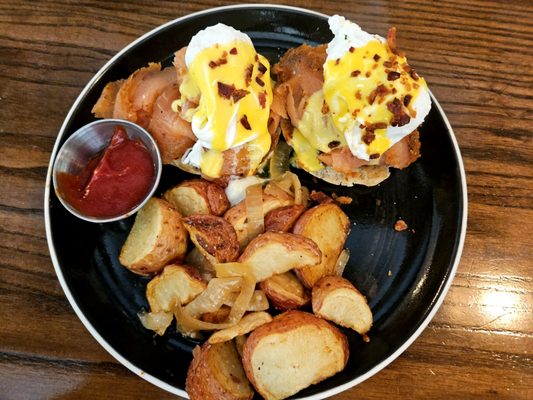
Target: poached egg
[(374, 97), (231, 84)]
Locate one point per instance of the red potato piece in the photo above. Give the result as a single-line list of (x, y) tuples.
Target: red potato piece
[(285, 291), (156, 238), (293, 351), (327, 225), (283, 218), (216, 373)]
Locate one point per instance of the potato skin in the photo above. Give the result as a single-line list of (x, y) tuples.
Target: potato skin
[(214, 236), (198, 196), (285, 297), (170, 243), (283, 218), (328, 226), (210, 379)]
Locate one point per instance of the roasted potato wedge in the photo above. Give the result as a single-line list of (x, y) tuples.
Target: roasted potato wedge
[(176, 284), (285, 291), (236, 215), (197, 196), (293, 351), (156, 238), (327, 225), (283, 218), (247, 324), (337, 300), (274, 253), (216, 373), (214, 237)]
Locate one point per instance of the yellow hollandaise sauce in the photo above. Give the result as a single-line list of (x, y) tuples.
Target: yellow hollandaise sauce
[(371, 88), (235, 90)]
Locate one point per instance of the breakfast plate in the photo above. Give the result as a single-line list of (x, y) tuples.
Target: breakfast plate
[(404, 274)]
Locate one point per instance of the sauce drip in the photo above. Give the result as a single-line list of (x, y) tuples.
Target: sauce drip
[(113, 182)]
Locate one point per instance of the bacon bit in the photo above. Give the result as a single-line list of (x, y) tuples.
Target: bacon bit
[(261, 68), (395, 107), (374, 156), (355, 112), (380, 90), (358, 95), (394, 90), (393, 75), (221, 61), (337, 61), (342, 199), (400, 225), (407, 99), (245, 123), (355, 73), (333, 144), (368, 137), (351, 49), (377, 125), (406, 67), (375, 66), (416, 85), (387, 64), (212, 64), (262, 99), (320, 197), (414, 75), (391, 39), (224, 90), (368, 73), (238, 94), (256, 58), (248, 74), (233, 51), (259, 81), (325, 107), (376, 57)]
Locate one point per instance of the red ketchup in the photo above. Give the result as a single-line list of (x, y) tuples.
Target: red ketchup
[(113, 182)]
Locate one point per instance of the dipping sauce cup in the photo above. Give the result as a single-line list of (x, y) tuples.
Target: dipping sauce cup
[(107, 170)]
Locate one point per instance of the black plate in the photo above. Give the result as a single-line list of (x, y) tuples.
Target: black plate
[(405, 275)]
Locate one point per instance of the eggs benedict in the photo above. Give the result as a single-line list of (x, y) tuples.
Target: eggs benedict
[(226, 94), (351, 108)]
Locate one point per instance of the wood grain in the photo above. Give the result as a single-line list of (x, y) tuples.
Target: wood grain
[(476, 57)]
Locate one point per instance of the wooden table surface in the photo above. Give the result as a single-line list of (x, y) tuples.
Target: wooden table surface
[(477, 58)]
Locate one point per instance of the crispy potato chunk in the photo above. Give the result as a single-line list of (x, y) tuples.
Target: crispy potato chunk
[(337, 300), (327, 225), (216, 373), (236, 215), (293, 351), (157, 237), (197, 196), (274, 253), (247, 324), (214, 237), (176, 284), (283, 218), (285, 291)]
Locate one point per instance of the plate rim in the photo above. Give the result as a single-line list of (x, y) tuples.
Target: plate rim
[(158, 382)]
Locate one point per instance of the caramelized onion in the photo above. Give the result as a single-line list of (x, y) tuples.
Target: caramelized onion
[(255, 221), (232, 269), (187, 324), (242, 302), (341, 262), (156, 321), (218, 291), (259, 301)]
